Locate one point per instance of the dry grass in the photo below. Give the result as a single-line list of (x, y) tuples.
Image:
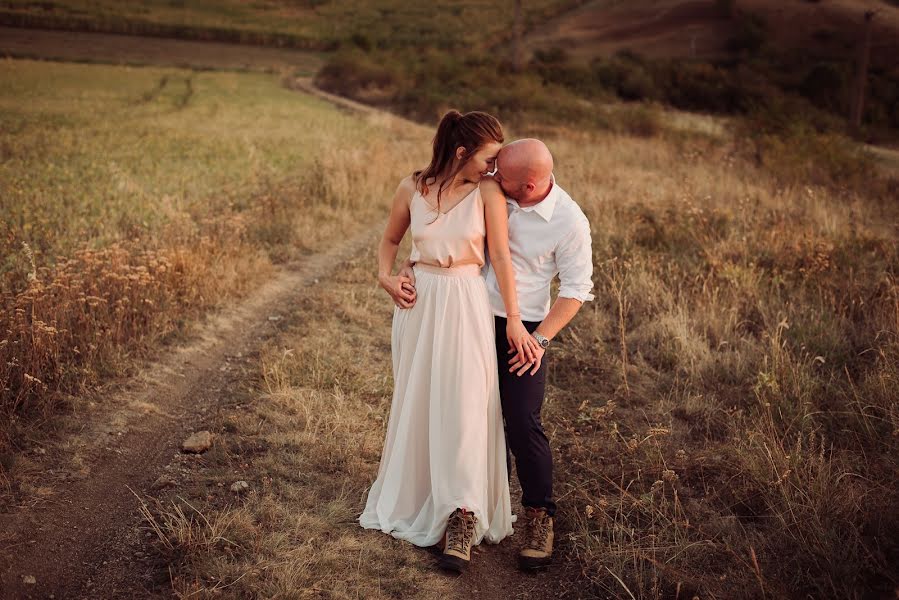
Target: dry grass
[(744, 445), (308, 443), (135, 200), (724, 416)]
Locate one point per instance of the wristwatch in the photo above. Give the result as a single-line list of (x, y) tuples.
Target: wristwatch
[(541, 339)]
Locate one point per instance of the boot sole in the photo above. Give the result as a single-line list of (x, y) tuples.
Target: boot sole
[(452, 563), (528, 563)]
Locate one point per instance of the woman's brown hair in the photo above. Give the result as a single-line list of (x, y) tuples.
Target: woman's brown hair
[(471, 131)]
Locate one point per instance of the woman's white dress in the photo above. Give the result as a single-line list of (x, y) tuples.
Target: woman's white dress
[(445, 445)]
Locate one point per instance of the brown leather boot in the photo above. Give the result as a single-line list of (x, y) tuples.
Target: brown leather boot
[(538, 534), (457, 540)]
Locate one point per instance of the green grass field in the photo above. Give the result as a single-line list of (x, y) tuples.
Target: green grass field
[(94, 154)]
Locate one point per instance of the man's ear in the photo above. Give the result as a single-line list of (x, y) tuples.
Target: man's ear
[(460, 152)]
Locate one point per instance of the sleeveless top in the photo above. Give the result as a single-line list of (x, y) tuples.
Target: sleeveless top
[(448, 239)]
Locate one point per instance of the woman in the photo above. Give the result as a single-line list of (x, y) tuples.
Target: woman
[(442, 475)]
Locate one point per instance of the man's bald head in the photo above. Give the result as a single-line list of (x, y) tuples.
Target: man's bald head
[(524, 168)]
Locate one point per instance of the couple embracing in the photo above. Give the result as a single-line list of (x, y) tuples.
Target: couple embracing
[(471, 328)]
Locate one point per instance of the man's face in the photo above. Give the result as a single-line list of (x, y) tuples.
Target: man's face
[(510, 186)]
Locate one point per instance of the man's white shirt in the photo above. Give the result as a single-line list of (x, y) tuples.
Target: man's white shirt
[(549, 238)]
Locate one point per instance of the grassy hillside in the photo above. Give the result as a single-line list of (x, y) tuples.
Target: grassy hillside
[(714, 31), (721, 57), (739, 58), (321, 24), (133, 199)]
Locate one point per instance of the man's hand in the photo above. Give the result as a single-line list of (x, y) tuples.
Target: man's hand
[(400, 288), (521, 363), (407, 271)]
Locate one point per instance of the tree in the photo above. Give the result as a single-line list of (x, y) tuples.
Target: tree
[(861, 77), (517, 31)]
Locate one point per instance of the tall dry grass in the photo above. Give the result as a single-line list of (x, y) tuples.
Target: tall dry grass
[(308, 441), (723, 417), (727, 408)]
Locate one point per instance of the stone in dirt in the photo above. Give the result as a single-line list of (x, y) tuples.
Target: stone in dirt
[(164, 481), (197, 442), (240, 487)]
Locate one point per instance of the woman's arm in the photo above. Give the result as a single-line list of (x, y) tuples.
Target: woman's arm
[(397, 224), (497, 220)]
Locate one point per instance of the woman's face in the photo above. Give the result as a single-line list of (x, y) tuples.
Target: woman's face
[(482, 161)]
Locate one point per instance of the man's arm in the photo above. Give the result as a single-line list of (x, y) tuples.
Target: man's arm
[(574, 256), (560, 314)]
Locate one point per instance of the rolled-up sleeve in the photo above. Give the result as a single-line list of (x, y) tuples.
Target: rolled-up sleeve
[(574, 257)]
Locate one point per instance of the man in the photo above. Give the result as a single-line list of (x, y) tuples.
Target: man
[(548, 236)]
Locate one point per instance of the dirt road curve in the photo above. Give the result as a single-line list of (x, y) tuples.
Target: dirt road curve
[(83, 542), (136, 50)]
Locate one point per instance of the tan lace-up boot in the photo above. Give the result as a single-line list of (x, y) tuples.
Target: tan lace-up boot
[(538, 546), (457, 540)]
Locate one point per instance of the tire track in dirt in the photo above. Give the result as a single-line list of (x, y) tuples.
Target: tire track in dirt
[(82, 542)]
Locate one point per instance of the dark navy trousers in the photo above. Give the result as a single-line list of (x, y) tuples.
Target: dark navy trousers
[(522, 399)]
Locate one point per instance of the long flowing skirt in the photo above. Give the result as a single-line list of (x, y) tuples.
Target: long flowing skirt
[(445, 447)]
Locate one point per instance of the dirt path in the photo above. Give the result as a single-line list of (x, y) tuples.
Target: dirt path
[(83, 540), (135, 50)]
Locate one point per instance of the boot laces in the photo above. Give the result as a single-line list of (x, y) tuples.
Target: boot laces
[(538, 530), (461, 526)]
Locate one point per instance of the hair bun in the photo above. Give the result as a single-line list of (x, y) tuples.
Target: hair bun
[(452, 116)]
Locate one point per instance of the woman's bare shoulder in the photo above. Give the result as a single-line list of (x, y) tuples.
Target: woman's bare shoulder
[(407, 183), (491, 190), (406, 188)]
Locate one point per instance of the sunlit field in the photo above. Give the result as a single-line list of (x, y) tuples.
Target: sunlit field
[(133, 199), (724, 415)]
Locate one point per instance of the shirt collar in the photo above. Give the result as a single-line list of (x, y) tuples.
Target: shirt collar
[(545, 207)]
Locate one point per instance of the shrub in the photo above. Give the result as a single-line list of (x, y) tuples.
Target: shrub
[(726, 7), (825, 86), (551, 56), (627, 75), (355, 74), (750, 36), (638, 120), (699, 86), (794, 152)]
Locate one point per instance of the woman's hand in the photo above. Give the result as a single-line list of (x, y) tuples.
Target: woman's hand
[(519, 338), (520, 365), (400, 288)]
